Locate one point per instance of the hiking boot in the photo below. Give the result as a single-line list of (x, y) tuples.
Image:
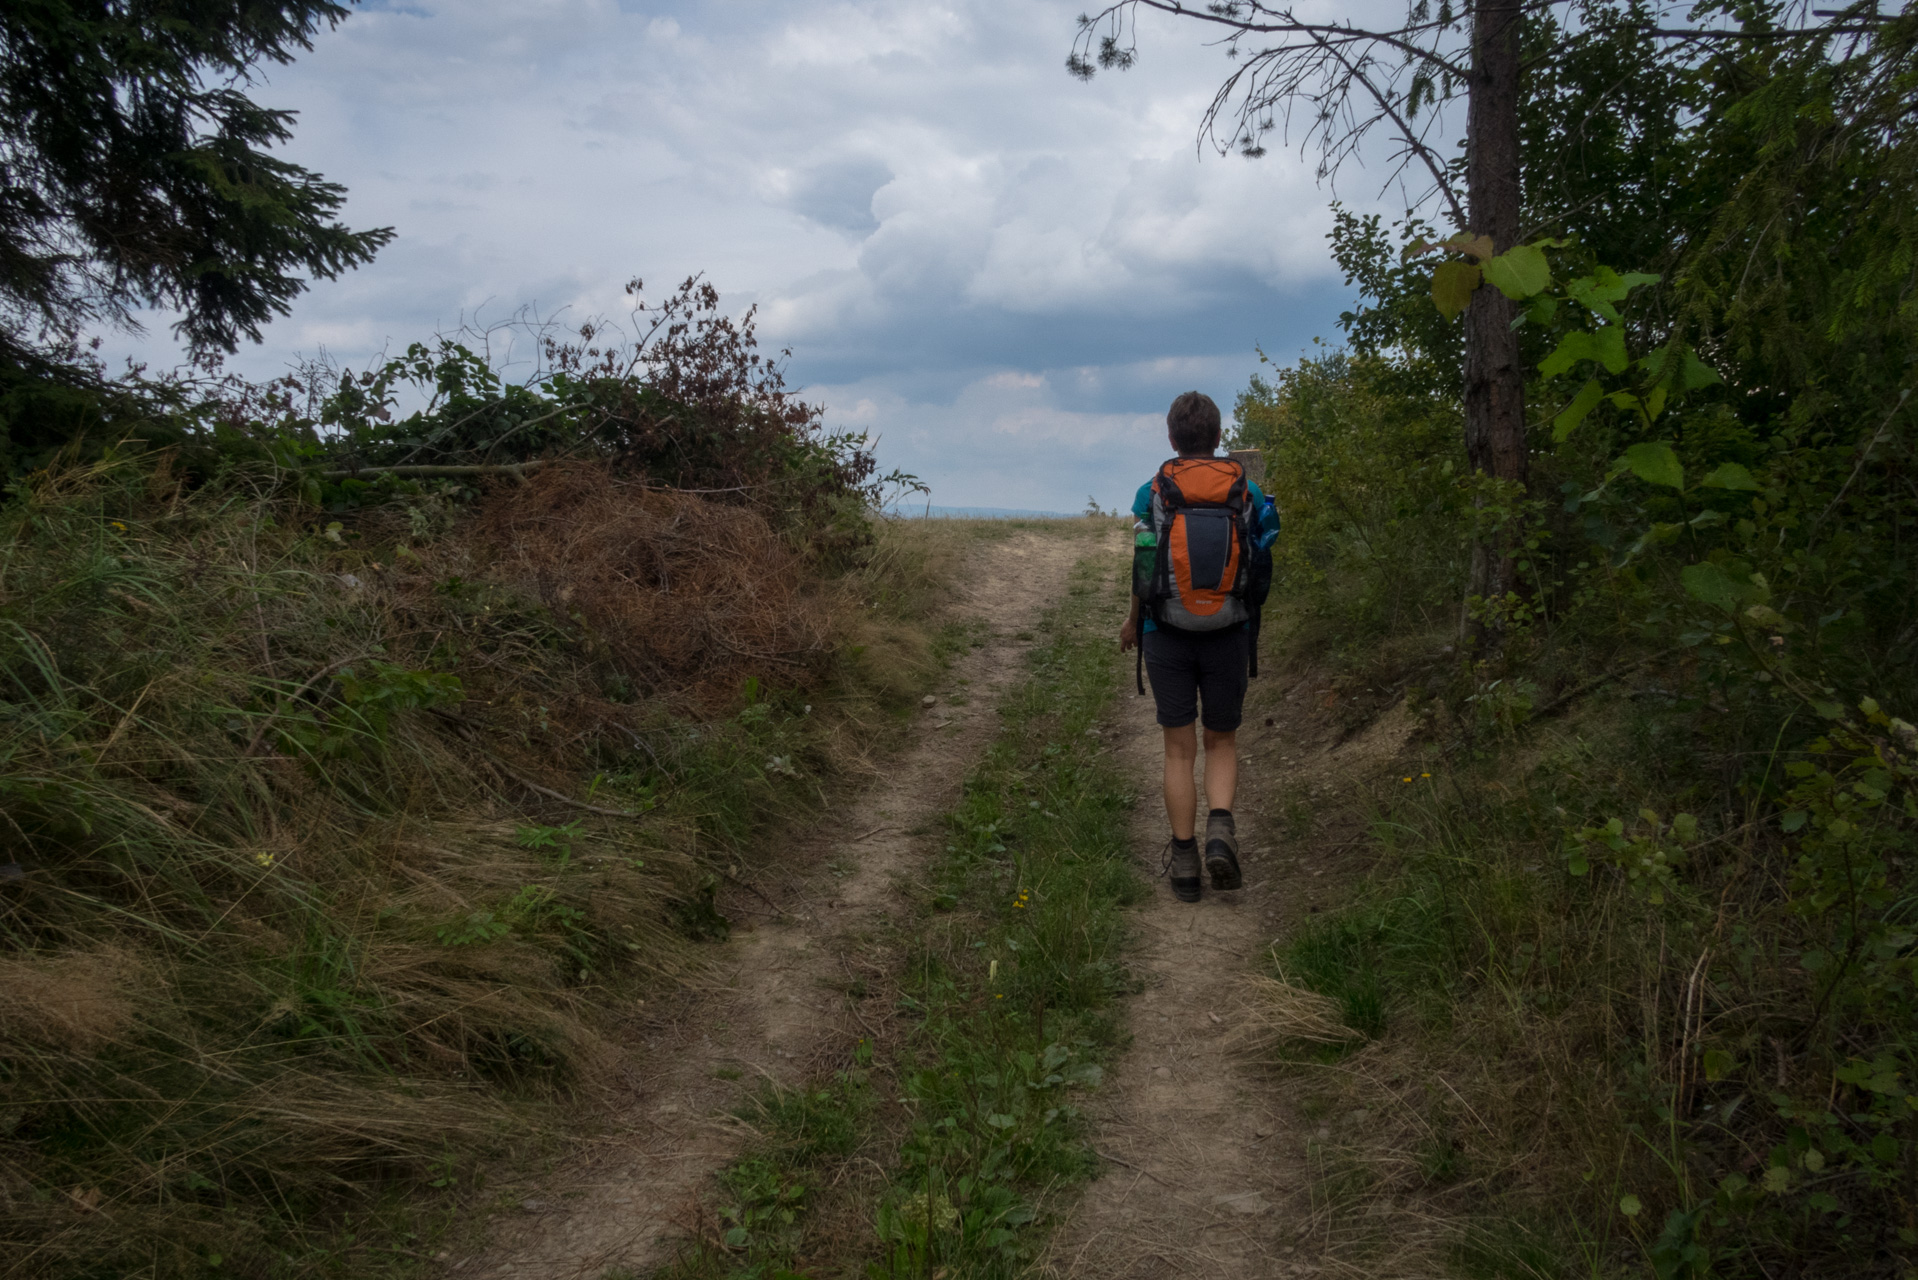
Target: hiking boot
[(1222, 850), (1182, 870)]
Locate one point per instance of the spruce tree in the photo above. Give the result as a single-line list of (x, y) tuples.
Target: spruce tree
[(135, 170)]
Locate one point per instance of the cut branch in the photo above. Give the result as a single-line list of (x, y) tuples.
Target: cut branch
[(517, 470)]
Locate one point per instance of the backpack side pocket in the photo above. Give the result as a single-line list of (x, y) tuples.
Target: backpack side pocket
[(1145, 563)]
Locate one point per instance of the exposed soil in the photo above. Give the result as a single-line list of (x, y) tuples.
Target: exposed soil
[(783, 996), (1207, 1151)]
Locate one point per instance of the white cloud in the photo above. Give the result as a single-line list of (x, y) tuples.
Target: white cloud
[(926, 206), (1012, 380)]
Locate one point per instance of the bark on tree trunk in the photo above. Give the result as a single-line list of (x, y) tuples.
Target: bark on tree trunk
[(1494, 382)]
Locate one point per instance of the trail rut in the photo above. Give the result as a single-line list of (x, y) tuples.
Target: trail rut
[(1206, 1151), (775, 1001)]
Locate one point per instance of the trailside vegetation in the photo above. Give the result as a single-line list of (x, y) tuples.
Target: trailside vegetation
[(1639, 964), (370, 742)]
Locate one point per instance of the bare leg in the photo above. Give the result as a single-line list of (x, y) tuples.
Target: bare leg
[(1181, 794), (1221, 769)]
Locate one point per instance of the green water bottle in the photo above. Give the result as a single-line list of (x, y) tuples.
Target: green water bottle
[(1145, 555)]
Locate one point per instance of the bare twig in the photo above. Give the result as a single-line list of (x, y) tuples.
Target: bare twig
[(551, 794), (1596, 682), (1796, 33), (1411, 139), (777, 909), (465, 731), (124, 721), (1693, 1014), (1127, 1164), (1864, 455)]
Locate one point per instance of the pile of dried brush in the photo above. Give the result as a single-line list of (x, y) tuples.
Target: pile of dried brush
[(689, 598)]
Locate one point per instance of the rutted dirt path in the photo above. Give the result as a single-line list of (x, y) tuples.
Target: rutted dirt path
[(775, 1003), (1206, 1151)]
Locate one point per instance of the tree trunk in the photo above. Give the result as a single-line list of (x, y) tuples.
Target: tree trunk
[(1494, 382)]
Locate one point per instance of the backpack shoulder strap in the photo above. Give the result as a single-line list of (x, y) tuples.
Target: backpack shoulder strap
[(1239, 496), (1165, 486)]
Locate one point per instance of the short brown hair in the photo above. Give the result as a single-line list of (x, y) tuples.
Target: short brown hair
[(1193, 422)]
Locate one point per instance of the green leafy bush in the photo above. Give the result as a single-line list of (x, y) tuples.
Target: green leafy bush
[(1653, 921)]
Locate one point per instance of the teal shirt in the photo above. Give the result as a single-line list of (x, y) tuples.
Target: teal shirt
[(1268, 520)]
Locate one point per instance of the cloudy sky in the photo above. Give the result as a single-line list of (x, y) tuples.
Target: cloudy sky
[(1002, 273)]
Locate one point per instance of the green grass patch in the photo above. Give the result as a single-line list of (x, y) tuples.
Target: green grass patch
[(806, 1138), (1337, 956), (1015, 980)]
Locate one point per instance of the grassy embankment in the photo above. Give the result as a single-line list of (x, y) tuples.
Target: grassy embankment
[(336, 851), (944, 1147)]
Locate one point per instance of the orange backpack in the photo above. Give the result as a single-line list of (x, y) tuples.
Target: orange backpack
[(1204, 538)]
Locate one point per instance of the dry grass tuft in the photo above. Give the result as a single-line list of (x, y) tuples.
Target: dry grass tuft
[(1272, 1012), (75, 1001)]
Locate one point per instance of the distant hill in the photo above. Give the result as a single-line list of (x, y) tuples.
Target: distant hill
[(936, 512)]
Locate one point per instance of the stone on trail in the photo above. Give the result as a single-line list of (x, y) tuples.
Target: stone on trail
[(1246, 1202)]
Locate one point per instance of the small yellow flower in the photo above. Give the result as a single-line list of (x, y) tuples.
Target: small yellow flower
[(1425, 775), (264, 859), (1405, 779), (999, 995), (116, 524)]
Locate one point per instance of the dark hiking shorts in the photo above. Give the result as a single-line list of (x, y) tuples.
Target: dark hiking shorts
[(1190, 667)]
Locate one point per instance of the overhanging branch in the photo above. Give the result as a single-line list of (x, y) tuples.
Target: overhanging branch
[(517, 470), (1283, 23), (1412, 140)]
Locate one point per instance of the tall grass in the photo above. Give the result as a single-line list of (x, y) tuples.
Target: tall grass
[(331, 850)]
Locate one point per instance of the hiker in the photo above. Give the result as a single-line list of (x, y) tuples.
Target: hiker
[(1200, 573)]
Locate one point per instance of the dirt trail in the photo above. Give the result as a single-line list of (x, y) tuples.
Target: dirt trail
[(775, 1003), (1206, 1151)]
